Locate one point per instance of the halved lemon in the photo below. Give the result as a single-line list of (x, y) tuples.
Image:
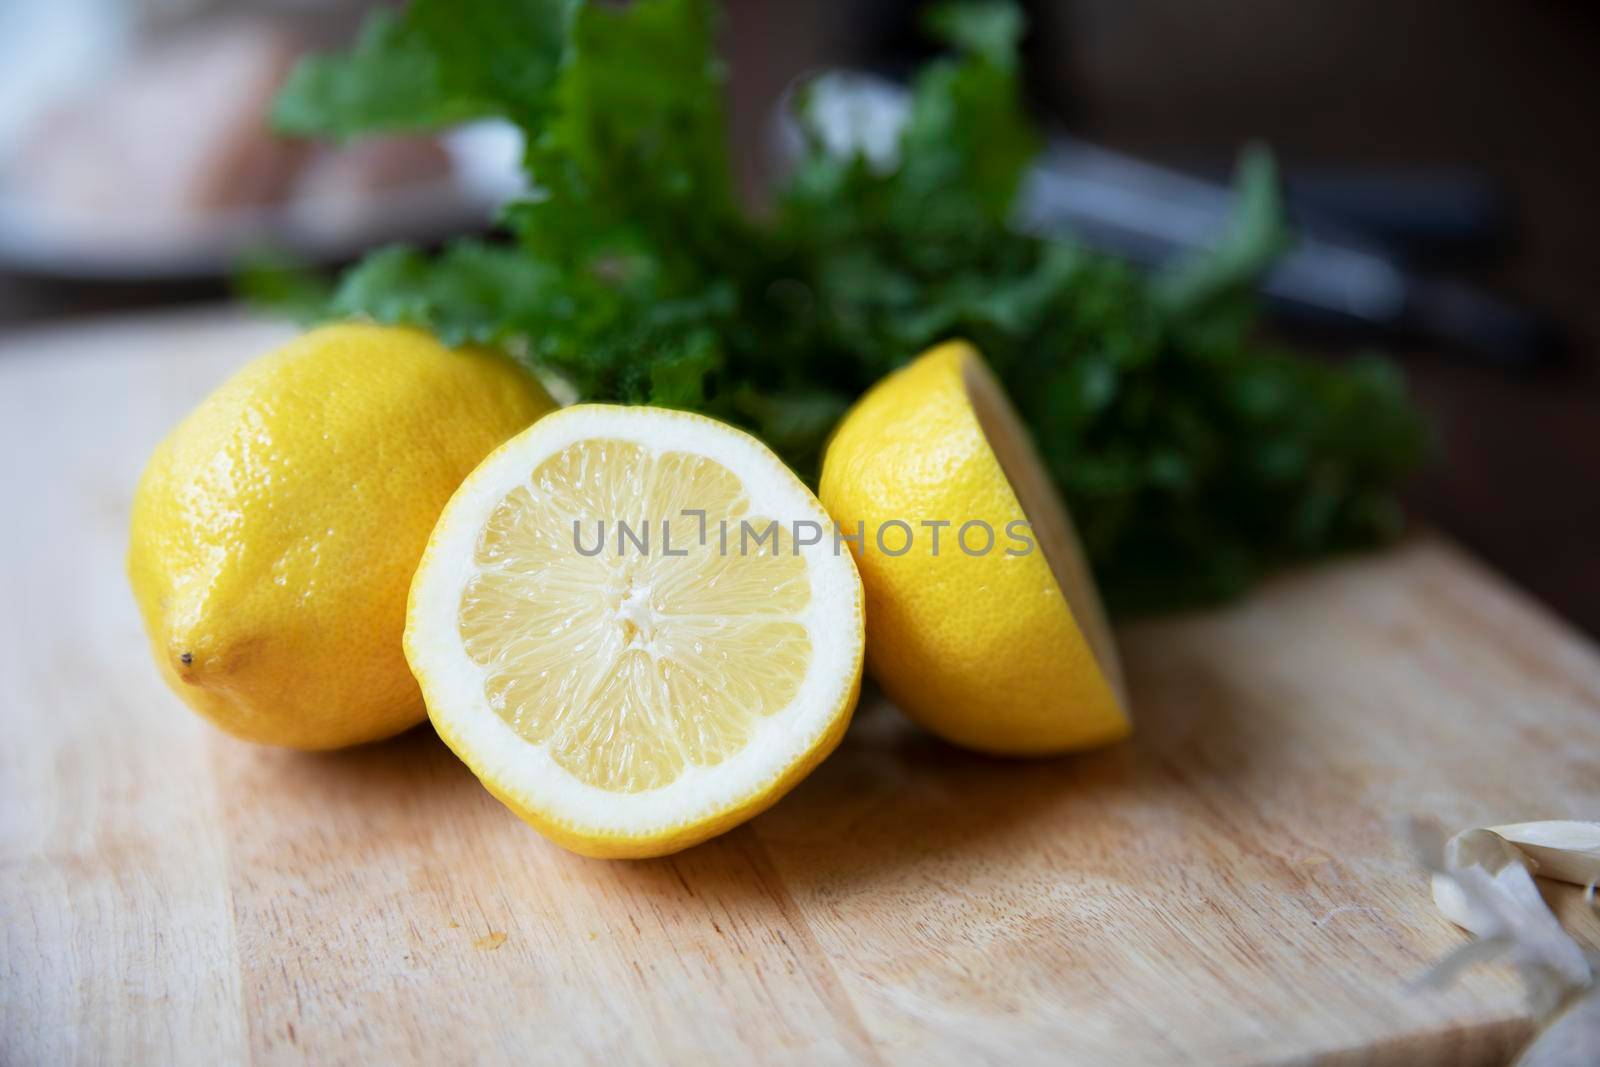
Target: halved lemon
[(636, 627), (991, 635)]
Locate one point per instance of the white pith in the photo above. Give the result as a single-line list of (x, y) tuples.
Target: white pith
[(454, 684)]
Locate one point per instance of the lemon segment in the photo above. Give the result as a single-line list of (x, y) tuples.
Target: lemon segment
[(617, 629), (996, 641)]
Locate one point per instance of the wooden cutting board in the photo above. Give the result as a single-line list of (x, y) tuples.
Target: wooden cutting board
[(1228, 887)]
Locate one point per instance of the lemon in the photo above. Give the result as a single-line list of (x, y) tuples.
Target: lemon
[(993, 636), (275, 531), (635, 627)]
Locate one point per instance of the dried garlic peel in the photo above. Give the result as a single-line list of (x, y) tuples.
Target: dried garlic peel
[(1573, 1037), (1471, 848), (1484, 882), (1567, 850)]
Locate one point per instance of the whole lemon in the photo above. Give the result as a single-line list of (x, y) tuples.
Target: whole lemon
[(276, 530), (983, 623)]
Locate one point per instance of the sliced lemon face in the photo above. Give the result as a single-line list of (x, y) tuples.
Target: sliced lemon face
[(636, 628)]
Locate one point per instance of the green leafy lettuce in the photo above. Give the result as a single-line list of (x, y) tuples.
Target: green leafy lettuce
[(1192, 455)]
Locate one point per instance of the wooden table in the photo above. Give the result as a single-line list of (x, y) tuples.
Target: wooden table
[(1228, 887)]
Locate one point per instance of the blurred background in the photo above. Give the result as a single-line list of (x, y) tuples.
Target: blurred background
[(1440, 159)]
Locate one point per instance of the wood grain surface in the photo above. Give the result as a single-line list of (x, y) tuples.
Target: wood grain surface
[(1228, 887)]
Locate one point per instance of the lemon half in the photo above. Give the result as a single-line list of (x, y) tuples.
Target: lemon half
[(986, 641), (631, 693)]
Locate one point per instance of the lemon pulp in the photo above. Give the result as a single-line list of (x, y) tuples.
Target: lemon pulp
[(632, 624), (635, 663)]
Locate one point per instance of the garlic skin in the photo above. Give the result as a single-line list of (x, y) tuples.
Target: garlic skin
[(1483, 882), (1572, 1039), (1471, 848), (1567, 850)]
